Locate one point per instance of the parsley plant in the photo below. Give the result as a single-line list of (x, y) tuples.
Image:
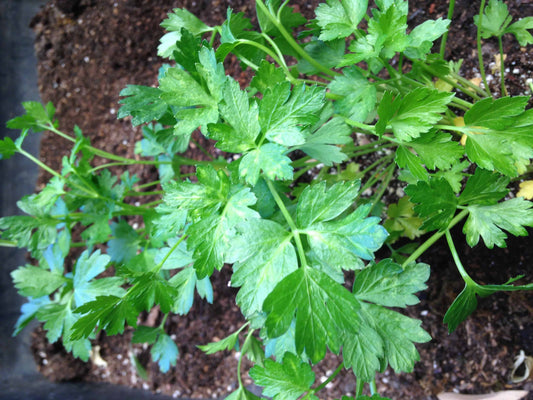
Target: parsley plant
[(324, 93)]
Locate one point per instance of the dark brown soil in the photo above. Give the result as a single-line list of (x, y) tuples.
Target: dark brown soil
[(89, 50)]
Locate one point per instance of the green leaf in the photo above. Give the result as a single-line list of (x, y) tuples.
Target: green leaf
[(270, 159), (390, 285), (262, 255), (228, 343), (343, 243), (242, 394), (386, 36), (7, 148), (402, 219), (497, 114), (37, 117), (325, 311), (210, 237), (484, 187), (498, 134), (435, 202), (359, 95), (322, 144), (241, 116), (267, 76), (33, 281), (125, 242), (398, 333), (283, 113), (179, 256), (490, 221), (339, 19), (185, 283), (145, 334), (437, 150), (495, 19), (284, 381), (422, 37), (150, 289), (109, 313), (165, 352), (405, 159), (142, 103), (520, 30), (28, 312), (328, 54), (319, 204), (86, 288), (412, 115), (178, 19)]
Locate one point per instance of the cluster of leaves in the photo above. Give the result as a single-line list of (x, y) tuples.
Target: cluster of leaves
[(291, 245)]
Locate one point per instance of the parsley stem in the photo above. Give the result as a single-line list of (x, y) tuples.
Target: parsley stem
[(239, 363), (145, 185), (373, 388), (288, 37), (40, 163), (360, 125), (478, 40), (160, 265), (329, 379), (388, 174), (7, 243), (502, 67), (290, 221), (436, 236), (451, 9), (457, 260), (133, 193)]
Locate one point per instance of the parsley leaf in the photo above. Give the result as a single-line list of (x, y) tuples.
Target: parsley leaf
[(165, 352), (490, 221), (262, 255), (435, 202), (7, 148), (413, 114), (37, 117), (284, 381), (339, 19), (325, 311), (33, 281), (142, 103), (422, 37), (270, 159)]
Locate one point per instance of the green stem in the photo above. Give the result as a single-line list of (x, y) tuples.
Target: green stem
[(456, 259), (241, 356), (278, 60), (7, 243), (290, 221), (368, 128), (134, 193), (160, 265), (502, 66), (288, 37), (451, 9), (162, 324), (383, 186), (467, 83), (373, 388), (478, 39), (146, 185), (436, 236), (330, 378), (40, 163)]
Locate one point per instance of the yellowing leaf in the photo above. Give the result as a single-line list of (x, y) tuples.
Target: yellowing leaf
[(526, 190)]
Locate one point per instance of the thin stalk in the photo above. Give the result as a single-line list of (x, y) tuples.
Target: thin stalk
[(478, 39), (279, 61), (163, 322), (469, 84), (372, 150), (40, 163), (239, 363), (307, 167), (133, 193), (137, 162), (145, 185), (384, 185), (290, 221), (288, 37), (368, 128), (436, 236), (153, 203), (329, 379), (7, 243), (373, 388), (451, 9), (502, 67), (169, 253), (457, 260)]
